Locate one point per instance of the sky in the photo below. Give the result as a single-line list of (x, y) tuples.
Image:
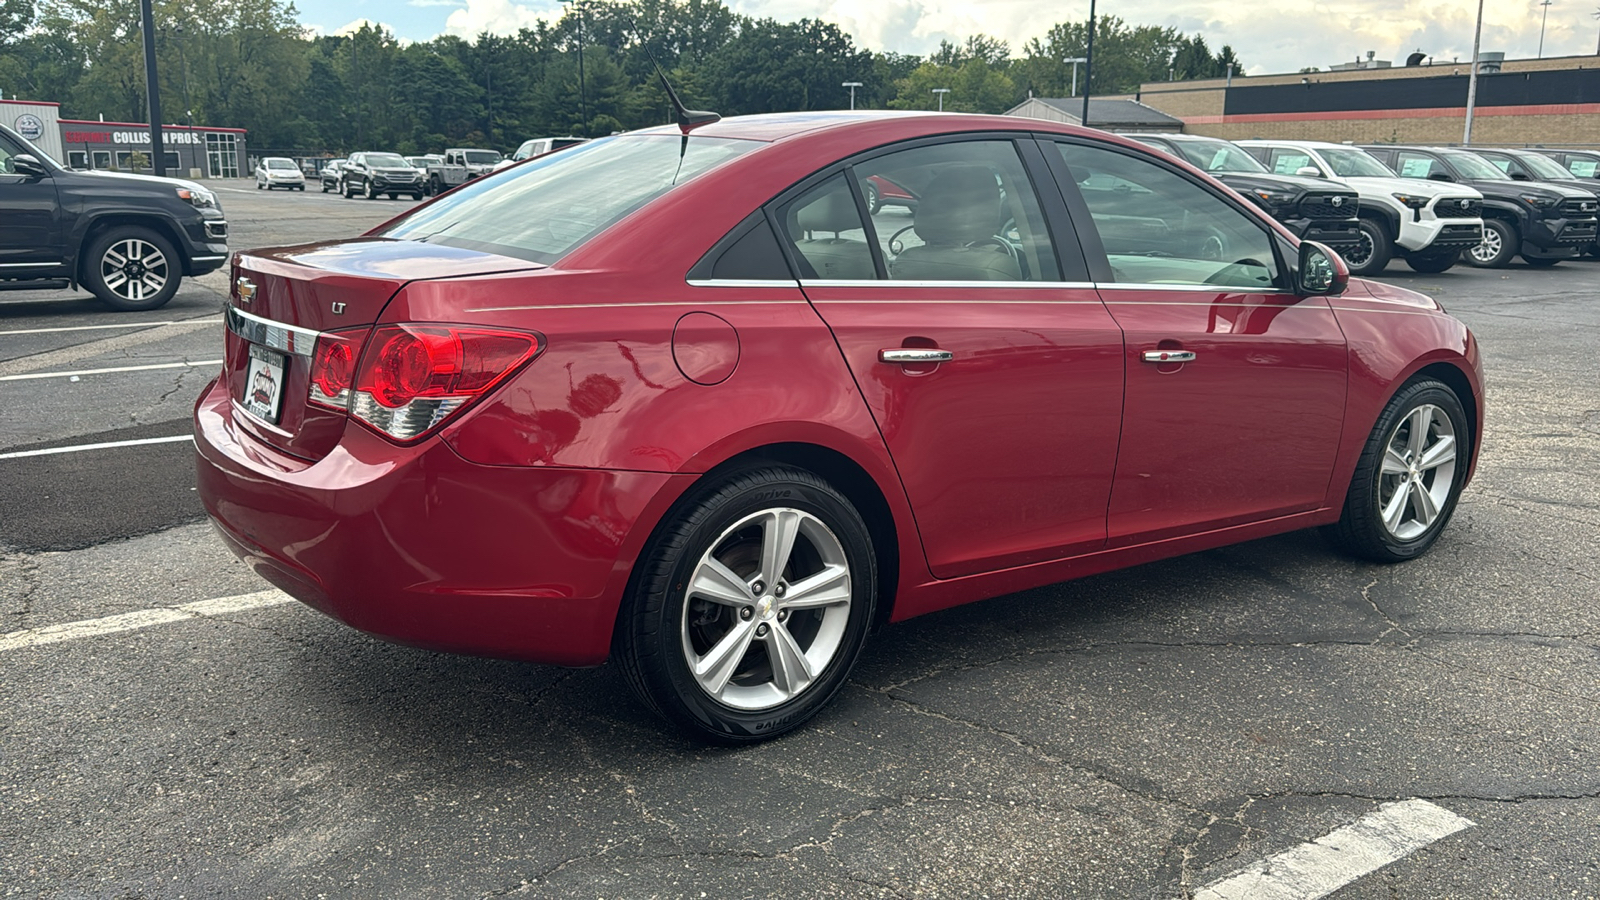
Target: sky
[(1281, 37)]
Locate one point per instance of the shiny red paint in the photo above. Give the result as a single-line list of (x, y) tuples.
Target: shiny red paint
[(514, 531)]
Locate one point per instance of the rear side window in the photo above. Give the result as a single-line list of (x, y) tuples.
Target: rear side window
[(542, 210), (824, 227)]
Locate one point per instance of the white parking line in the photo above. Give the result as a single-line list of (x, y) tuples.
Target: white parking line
[(177, 365), (115, 325), (144, 618), (79, 448), (1320, 867)]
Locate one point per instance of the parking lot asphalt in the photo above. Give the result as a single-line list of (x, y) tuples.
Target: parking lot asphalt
[(1137, 734)]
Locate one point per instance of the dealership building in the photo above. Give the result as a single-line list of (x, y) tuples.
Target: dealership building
[(1553, 102), (200, 151)]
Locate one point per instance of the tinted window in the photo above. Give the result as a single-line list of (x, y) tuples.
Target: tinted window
[(824, 227), (543, 209), (1158, 227), (961, 211), (384, 160), (755, 256)]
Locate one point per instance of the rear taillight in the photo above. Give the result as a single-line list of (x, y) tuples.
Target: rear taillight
[(404, 381)]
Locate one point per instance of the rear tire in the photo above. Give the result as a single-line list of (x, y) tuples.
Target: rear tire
[(1409, 476), (131, 268), (1372, 254), (731, 637)]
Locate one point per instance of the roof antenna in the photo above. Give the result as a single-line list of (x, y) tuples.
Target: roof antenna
[(687, 119)]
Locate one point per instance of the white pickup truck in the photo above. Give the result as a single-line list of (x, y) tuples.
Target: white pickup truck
[(461, 164)]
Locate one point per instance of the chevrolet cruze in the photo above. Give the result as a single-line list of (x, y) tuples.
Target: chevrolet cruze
[(600, 405)]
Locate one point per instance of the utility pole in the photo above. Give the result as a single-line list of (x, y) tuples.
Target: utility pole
[(1542, 19), (152, 90), (941, 92), (1472, 79), (852, 85), (583, 91), (1088, 68)]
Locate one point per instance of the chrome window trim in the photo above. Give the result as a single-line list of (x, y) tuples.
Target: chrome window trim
[(274, 335), (892, 283), (1189, 288), (742, 282)]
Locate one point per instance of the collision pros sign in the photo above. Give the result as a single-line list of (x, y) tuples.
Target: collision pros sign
[(30, 126)]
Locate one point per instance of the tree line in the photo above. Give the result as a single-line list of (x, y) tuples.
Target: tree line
[(249, 64)]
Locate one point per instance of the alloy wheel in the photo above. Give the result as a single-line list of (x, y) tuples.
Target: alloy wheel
[(1361, 253), (1488, 249), (134, 269), (766, 609), (1418, 472)]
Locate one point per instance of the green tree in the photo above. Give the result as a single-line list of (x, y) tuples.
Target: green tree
[(773, 66), (975, 86)]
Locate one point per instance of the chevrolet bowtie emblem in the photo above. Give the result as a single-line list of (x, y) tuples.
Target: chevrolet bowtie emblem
[(247, 289)]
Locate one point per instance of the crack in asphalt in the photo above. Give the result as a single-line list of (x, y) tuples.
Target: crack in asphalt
[(20, 569)]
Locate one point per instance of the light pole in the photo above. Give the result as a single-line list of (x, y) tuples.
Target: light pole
[(1472, 79), (1088, 68), (583, 91), (852, 85), (1075, 60), (941, 92), (152, 90), (1596, 15), (1542, 19)]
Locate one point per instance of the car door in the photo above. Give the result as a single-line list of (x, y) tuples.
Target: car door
[(1235, 385), (30, 235), (991, 366)]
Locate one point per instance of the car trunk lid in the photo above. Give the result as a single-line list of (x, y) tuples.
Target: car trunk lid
[(282, 299)]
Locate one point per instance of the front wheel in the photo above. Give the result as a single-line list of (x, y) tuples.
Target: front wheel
[(1499, 244), (874, 201), (750, 607), (132, 269), (1371, 254), (1409, 476)]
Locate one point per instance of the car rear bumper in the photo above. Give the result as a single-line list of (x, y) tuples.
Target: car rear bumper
[(419, 546)]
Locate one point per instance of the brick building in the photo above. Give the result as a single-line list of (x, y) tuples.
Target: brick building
[(1550, 102)]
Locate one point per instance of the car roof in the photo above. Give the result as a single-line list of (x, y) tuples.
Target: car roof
[(770, 127)]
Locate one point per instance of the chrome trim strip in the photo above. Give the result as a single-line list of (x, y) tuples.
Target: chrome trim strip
[(743, 282), (274, 335), (915, 355), (208, 258), (969, 301), (33, 265), (1192, 288), (664, 304), (1167, 356), (891, 283)]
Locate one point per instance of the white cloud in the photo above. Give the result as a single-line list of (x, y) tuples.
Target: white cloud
[(497, 17)]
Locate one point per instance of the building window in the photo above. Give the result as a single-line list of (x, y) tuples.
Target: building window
[(101, 158), (124, 157), (222, 154), (78, 159)]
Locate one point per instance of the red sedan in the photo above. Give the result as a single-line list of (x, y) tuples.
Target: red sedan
[(598, 405)]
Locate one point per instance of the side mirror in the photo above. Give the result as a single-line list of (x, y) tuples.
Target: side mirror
[(1321, 272), (1440, 176), (1309, 172), (29, 165), (1518, 176)]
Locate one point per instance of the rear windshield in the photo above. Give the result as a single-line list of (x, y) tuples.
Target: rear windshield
[(541, 210)]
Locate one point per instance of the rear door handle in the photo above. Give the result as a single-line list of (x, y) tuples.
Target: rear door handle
[(1168, 356), (915, 355)]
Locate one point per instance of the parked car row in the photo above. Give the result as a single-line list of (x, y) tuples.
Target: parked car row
[(373, 175), (1431, 206)]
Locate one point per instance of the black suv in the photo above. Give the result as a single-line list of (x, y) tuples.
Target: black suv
[(128, 238), (373, 174), (1526, 165), (1583, 164), (1311, 208), (1545, 223)]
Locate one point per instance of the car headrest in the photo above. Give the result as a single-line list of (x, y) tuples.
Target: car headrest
[(834, 211), (961, 206)]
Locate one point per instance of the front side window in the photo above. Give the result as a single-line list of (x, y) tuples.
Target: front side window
[(1583, 166), (1158, 227), (1419, 165), (961, 211), (1289, 162), (542, 210)]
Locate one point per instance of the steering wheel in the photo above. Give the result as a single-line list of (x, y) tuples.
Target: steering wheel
[(896, 246)]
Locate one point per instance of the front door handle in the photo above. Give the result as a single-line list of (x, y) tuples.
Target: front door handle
[(1168, 356), (915, 355)]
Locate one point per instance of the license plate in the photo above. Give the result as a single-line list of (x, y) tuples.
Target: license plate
[(263, 384)]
